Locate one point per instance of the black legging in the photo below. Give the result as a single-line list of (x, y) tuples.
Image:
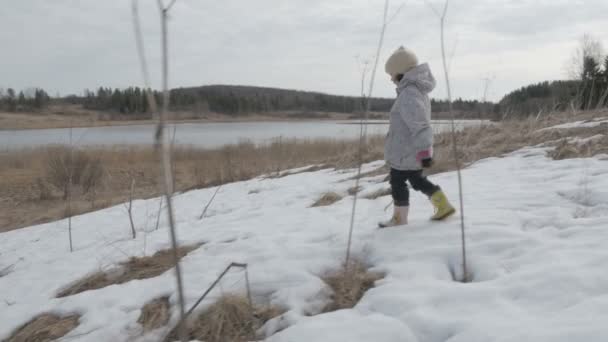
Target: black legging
[(401, 194)]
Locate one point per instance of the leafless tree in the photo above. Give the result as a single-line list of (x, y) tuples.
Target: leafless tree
[(588, 47)]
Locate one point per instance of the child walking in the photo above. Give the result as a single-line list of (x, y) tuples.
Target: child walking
[(409, 142)]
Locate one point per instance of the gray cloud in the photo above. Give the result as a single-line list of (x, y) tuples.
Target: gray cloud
[(69, 45)]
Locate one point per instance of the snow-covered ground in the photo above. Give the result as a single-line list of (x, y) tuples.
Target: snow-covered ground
[(537, 232), (580, 124)]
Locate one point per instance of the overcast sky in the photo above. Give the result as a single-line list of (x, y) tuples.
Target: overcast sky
[(68, 45)]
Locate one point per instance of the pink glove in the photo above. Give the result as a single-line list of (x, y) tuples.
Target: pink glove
[(424, 154)]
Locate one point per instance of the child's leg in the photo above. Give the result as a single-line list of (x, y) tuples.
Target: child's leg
[(421, 183), (401, 195)]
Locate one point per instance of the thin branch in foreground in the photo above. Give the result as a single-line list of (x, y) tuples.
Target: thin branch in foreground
[(363, 132), (209, 203), (130, 208), (161, 143), (70, 175), (160, 208), (442, 18)]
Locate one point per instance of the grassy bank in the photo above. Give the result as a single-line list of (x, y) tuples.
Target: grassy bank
[(34, 181)]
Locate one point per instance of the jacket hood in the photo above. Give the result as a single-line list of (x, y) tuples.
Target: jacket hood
[(420, 76)]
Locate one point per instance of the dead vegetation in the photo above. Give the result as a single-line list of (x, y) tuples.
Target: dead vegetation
[(33, 180), (377, 194), (135, 268), (30, 197), (326, 199), (349, 284), (571, 148), (354, 190), (155, 314), (232, 318), (63, 166), (497, 139), (45, 327)]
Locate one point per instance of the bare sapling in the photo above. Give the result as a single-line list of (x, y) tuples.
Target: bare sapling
[(69, 190), (130, 208), (442, 18), (363, 131), (162, 145)]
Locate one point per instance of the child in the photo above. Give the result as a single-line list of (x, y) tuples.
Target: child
[(408, 145)]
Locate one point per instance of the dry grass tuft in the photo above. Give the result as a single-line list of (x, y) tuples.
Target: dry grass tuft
[(309, 169), (85, 171), (134, 268), (567, 149), (349, 285), (354, 190), (377, 194), (326, 199), (231, 318), (155, 314), (45, 327)]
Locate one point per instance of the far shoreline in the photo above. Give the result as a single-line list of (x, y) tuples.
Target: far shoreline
[(41, 121)]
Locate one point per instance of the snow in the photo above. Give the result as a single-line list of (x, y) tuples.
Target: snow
[(536, 237), (582, 141), (580, 124)]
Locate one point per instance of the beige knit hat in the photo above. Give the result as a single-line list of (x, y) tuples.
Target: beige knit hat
[(400, 62)]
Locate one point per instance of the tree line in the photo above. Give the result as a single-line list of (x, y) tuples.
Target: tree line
[(587, 88), (222, 99), (245, 100), (31, 99)]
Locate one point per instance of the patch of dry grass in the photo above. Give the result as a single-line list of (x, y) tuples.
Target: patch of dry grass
[(231, 318), (567, 148), (377, 194), (45, 327), (30, 197), (135, 268), (349, 285), (326, 199), (497, 139), (155, 314), (353, 190)]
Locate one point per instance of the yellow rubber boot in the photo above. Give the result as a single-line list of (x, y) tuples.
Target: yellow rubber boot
[(443, 208)]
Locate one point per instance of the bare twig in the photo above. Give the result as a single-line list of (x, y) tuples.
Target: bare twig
[(170, 5), (71, 172), (130, 208), (442, 17), (397, 11), (8, 269), (162, 145), (209, 203), (363, 131), (165, 153), (216, 282), (142, 60), (160, 208), (601, 103)]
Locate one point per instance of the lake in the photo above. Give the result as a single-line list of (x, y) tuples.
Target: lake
[(207, 135)]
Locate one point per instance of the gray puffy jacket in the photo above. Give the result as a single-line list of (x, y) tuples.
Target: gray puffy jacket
[(410, 128)]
